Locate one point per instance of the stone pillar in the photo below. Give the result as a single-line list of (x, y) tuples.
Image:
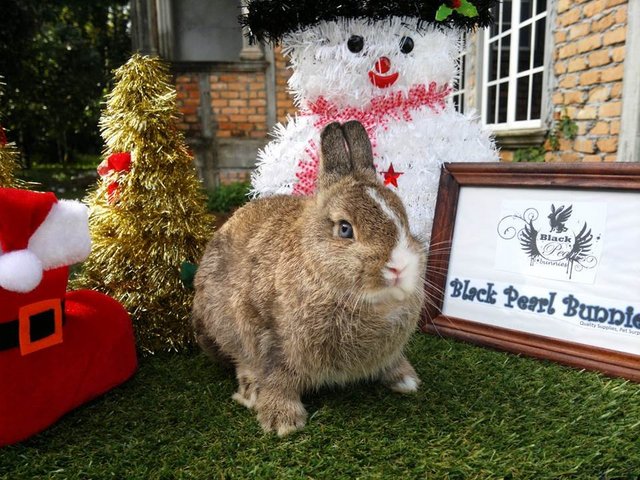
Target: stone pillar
[(144, 27), (271, 87), (165, 28), (249, 52), (209, 148)]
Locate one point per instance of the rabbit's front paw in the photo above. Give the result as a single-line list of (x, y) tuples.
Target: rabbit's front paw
[(401, 377), (285, 418), (247, 393), (408, 384)]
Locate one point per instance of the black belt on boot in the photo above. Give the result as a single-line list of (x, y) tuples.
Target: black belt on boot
[(40, 324)]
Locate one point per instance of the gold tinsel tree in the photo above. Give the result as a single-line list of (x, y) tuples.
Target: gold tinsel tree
[(8, 163), (148, 219), (8, 158)]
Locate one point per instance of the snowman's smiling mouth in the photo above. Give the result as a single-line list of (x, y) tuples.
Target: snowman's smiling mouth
[(383, 81), (379, 77)]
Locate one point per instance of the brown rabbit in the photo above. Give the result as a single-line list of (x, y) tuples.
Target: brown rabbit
[(300, 292)]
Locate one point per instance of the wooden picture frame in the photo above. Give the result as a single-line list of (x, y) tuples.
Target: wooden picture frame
[(465, 255)]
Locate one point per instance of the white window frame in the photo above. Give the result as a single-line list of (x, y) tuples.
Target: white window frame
[(463, 77), (514, 75)]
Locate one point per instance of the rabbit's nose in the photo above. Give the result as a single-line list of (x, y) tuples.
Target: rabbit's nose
[(395, 271), (383, 65), (393, 275)]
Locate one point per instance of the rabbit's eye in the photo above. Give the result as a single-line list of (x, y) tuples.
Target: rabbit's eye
[(355, 43), (406, 45), (345, 230)]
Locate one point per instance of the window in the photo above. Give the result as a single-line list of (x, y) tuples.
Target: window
[(514, 64), (206, 31), (459, 87)]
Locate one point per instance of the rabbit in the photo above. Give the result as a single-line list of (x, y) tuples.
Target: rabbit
[(302, 292)]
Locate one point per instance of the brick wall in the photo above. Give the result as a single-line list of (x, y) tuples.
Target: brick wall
[(238, 109), (238, 101), (239, 104), (284, 103), (589, 63), (188, 100)]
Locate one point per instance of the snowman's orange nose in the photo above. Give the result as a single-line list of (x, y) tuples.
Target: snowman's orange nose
[(383, 65)]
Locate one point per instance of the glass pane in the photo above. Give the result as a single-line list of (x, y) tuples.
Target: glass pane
[(503, 102), (536, 96), (524, 52), (525, 9), (493, 60), (541, 6), (495, 13), (504, 57), (463, 67), (522, 98), (506, 16), (538, 54), (491, 105), (461, 108)]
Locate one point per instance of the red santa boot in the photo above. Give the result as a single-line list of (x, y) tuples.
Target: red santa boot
[(58, 350)]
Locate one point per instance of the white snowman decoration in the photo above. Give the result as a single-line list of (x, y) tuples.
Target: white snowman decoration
[(389, 65)]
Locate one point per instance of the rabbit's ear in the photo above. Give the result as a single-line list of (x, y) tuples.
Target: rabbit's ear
[(359, 146), (335, 162)]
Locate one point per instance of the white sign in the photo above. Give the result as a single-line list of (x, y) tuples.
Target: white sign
[(549, 263)]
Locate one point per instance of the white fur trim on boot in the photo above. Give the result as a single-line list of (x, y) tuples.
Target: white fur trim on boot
[(63, 238), (20, 271)]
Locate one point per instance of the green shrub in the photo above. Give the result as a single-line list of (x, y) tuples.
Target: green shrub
[(226, 198), (532, 154), (564, 127)]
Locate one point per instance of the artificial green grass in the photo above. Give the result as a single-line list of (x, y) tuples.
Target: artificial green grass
[(479, 414)]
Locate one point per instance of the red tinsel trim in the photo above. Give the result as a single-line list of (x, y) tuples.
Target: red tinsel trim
[(381, 110), (3, 137), (308, 171), (396, 106)]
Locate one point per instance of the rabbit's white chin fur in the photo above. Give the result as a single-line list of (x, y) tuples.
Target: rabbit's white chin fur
[(386, 295)]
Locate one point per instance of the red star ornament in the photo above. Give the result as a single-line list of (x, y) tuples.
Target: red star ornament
[(391, 176)]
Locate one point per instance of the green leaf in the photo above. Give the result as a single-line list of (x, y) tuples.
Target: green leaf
[(443, 12), (467, 9)]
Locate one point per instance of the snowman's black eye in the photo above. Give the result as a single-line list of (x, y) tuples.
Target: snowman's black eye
[(406, 45), (355, 43)]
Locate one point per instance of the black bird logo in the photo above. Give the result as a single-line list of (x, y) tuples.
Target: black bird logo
[(558, 217), (527, 239), (581, 248)]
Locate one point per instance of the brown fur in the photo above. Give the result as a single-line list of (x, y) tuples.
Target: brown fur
[(281, 295)]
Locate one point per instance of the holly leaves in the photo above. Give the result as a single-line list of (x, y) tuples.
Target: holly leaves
[(463, 7)]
